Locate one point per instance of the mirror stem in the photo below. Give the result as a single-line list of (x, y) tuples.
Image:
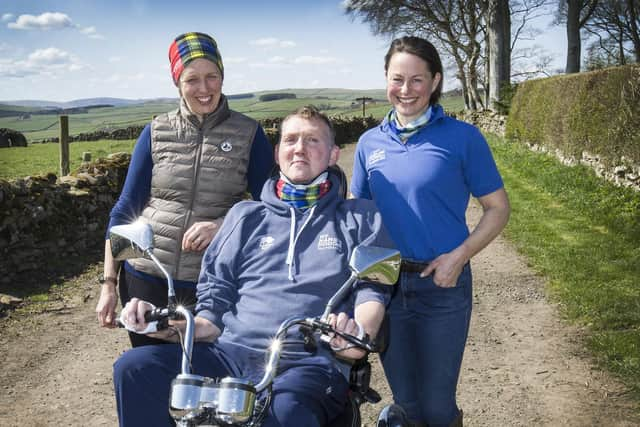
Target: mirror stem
[(339, 295), (172, 292)]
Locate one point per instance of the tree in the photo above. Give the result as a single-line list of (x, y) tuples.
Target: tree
[(601, 54), (454, 27), (615, 26), (575, 14), (476, 35)]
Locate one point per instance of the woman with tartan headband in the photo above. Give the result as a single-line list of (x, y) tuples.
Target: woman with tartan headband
[(421, 167), (188, 167)]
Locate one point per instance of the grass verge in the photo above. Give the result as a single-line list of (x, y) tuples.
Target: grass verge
[(583, 234)]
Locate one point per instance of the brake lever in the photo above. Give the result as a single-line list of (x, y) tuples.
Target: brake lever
[(326, 329)]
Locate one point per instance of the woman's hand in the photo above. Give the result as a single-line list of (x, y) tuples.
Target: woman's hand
[(446, 269), (200, 234), (106, 308)]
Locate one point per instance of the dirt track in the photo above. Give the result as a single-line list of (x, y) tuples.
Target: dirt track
[(523, 366)]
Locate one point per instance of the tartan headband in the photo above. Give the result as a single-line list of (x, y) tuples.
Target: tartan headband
[(189, 46)]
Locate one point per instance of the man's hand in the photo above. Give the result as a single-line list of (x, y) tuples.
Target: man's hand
[(132, 315), (343, 348)]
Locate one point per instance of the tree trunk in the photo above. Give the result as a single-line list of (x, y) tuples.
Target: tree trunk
[(632, 13), (499, 29), (487, 71), (573, 36), (473, 91)]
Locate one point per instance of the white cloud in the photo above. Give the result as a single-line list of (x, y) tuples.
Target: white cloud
[(47, 62), (49, 56), (114, 59), (49, 21), (234, 60), (269, 65), (267, 41), (46, 21), (91, 32), (272, 42), (315, 60), (124, 79), (277, 60)]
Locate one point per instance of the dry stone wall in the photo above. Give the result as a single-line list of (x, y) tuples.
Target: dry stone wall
[(624, 173), (46, 220)]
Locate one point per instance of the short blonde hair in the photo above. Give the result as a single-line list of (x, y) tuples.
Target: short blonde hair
[(310, 112)]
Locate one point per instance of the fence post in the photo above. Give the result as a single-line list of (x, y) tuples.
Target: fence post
[(64, 145)]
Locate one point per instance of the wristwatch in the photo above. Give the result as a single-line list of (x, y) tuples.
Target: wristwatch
[(108, 279)]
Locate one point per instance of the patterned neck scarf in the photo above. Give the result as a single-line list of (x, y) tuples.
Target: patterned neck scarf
[(406, 132), (302, 196)]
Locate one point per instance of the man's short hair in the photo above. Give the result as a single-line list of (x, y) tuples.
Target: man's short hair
[(310, 112)]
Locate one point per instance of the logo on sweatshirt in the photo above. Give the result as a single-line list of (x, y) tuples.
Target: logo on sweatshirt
[(266, 242), (376, 156), (326, 241)]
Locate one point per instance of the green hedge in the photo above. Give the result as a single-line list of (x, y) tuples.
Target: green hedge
[(598, 112)]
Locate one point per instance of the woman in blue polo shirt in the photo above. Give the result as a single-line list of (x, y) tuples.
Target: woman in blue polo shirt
[(421, 166)]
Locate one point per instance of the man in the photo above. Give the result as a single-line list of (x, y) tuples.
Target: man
[(284, 256)]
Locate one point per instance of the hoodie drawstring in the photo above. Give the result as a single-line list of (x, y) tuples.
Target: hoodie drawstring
[(294, 238)]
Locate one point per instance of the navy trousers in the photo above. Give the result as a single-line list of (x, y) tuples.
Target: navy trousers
[(131, 286), (428, 328), (306, 392)]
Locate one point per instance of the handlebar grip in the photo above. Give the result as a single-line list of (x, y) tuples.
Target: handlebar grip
[(156, 314)]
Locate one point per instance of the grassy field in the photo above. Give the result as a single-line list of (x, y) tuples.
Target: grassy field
[(40, 159), (41, 126), (334, 102), (583, 234)]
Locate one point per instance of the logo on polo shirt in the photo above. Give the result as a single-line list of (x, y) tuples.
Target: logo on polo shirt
[(376, 156), (266, 242), (326, 241)]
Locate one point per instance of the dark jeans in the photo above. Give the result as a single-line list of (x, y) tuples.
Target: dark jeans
[(131, 286), (306, 392), (428, 330)]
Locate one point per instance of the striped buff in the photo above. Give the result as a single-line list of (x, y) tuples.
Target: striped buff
[(189, 46), (301, 196), (406, 132)]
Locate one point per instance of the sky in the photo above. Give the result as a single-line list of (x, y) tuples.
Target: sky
[(61, 50)]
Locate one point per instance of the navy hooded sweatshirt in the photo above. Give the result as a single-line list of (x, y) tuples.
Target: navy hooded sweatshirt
[(270, 262)]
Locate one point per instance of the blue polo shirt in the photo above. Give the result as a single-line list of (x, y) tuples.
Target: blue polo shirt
[(422, 187)]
